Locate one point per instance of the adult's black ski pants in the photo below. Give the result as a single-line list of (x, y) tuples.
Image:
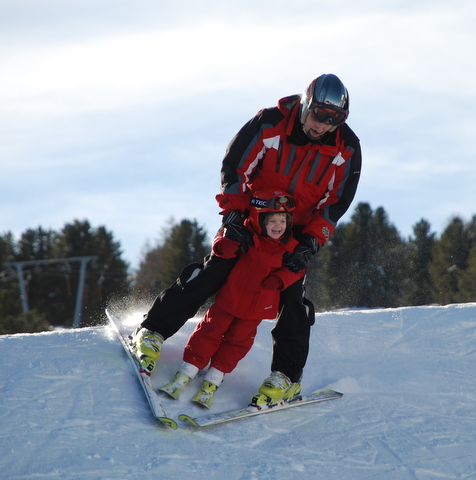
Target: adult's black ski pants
[(200, 281)]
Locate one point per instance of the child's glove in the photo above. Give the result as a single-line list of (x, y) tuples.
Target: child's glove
[(273, 282)]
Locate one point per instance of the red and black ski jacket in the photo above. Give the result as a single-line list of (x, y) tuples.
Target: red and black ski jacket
[(273, 150)]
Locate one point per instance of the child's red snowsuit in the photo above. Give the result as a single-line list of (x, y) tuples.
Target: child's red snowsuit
[(227, 331)]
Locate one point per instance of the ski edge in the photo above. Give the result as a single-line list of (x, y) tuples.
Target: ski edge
[(151, 395), (219, 418)]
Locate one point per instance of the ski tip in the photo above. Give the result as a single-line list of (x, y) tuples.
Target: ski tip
[(188, 419), (169, 422), (112, 316)]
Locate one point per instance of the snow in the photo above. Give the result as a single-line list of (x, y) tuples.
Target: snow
[(72, 407)]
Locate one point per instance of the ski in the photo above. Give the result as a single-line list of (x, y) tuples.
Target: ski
[(144, 377), (218, 418)]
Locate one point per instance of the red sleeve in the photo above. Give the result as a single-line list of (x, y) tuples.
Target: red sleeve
[(341, 190), (288, 277)]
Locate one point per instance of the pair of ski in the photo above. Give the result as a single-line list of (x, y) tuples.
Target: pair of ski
[(211, 419)]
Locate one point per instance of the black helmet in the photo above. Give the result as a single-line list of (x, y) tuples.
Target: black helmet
[(327, 99)]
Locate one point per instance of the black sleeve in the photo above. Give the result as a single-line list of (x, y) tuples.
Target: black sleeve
[(351, 142)]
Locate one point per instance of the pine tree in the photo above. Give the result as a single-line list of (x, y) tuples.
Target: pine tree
[(450, 260), (7, 249), (36, 244), (467, 284), (147, 282), (106, 276), (44, 284), (389, 255), (366, 262), (11, 318), (420, 256), (467, 278), (184, 243), (315, 283)]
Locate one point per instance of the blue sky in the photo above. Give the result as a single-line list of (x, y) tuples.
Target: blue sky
[(119, 112)]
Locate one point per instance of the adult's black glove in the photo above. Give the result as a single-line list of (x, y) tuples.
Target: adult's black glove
[(234, 229), (298, 260)]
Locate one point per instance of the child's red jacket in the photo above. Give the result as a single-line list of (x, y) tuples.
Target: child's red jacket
[(242, 294)]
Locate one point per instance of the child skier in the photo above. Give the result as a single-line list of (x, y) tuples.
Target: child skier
[(251, 293)]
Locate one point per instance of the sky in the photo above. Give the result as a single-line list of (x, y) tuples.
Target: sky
[(73, 408), (120, 112)]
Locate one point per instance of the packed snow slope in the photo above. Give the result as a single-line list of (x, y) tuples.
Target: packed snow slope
[(73, 409)]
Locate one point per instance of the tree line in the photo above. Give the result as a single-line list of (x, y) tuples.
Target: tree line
[(366, 263), (51, 288)]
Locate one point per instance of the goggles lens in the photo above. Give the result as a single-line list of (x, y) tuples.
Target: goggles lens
[(282, 203), (326, 115)]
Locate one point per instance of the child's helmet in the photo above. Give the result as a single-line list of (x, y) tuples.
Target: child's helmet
[(266, 201)]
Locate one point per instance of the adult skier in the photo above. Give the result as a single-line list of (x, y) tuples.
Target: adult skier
[(304, 147)]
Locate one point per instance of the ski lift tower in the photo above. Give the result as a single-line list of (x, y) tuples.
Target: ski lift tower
[(81, 282)]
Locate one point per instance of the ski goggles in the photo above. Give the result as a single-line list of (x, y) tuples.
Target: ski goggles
[(283, 203), (322, 114)]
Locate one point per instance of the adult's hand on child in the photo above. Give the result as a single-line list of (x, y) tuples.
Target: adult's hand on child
[(225, 247), (234, 229), (298, 260)]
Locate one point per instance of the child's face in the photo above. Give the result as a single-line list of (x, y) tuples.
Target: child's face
[(276, 225)]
